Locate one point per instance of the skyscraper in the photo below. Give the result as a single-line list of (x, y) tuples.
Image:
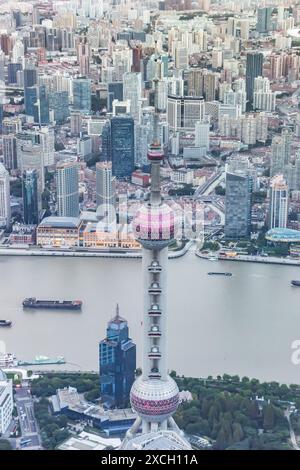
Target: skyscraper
[(132, 90), (9, 151), (12, 70), (154, 395), (30, 91), (67, 189), (117, 363), (277, 156), (76, 123), (114, 92), (30, 99), (238, 205), (202, 134), (6, 402), (30, 77), (264, 98), (279, 199), (31, 157), (41, 114), (122, 146), (82, 94), (254, 68), (5, 212), (286, 135), (264, 19), (184, 111), (59, 102), (105, 189), (31, 197), (281, 153), (106, 142), (83, 56)]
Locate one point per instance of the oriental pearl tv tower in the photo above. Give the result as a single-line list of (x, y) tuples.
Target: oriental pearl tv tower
[(155, 395)]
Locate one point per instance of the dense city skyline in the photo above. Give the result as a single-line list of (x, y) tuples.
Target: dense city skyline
[(133, 134)]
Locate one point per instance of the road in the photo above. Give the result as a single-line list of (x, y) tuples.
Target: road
[(292, 434), (29, 429), (219, 211), (210, 185)]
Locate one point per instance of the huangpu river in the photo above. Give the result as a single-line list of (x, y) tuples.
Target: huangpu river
[(244, 324)]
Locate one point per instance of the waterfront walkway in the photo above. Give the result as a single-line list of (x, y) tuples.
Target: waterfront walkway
[(254, 259), (35, 251)]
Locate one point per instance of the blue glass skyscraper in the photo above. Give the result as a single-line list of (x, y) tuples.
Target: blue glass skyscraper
[(59, 102), (106, 143), (30, 197), (238, 205), (41, 114), (122, 146), (82, 95), (30, 98), (12, 69), (254, 68), (117, 361), (30, 77), (114, 92)]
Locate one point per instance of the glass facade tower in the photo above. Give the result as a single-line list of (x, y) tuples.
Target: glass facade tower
[(117, 363)]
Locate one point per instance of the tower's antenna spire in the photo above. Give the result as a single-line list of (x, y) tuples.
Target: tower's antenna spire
[(155, 152), (117, 311)]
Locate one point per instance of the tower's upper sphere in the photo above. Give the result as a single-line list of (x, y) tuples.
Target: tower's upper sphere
[(153, 399), (155, 152), (154, 225)]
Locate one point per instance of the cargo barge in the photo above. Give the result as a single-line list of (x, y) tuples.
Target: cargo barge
[(5, 323), (32, 302)]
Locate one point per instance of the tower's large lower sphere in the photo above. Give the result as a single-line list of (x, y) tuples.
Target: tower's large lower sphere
[(154, 400), (154, 224)]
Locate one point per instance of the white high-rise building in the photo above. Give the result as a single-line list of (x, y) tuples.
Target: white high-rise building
[(6, 402), (184, 111), (248, 130), (279, 200), (132, 90), (277, 156), (264, 98), (261, 127), (217, 58), (181, 57), (30, 157), (18, 51), (5, 212), (121, 107), (9, 151), (46, 139), (105, 191), (88, 8), (239, 87), (202, 134), (67, 182)]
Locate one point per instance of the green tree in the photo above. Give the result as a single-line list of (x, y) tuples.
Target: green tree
[(269, 417), (237, 433), (5, 444)]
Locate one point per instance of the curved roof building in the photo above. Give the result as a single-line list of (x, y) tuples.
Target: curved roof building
[(283, 235)]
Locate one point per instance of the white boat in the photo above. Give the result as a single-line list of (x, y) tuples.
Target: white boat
[(213, 258), (7, 360)]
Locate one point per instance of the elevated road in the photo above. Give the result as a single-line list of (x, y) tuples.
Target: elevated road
[(210, 185)]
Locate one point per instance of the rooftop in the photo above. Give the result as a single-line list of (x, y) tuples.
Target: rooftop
[(60, 222), (88, 441), (160, 440), (284, 235)]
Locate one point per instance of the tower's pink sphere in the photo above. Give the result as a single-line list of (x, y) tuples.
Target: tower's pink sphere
[(154, 223), (153, 399)]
